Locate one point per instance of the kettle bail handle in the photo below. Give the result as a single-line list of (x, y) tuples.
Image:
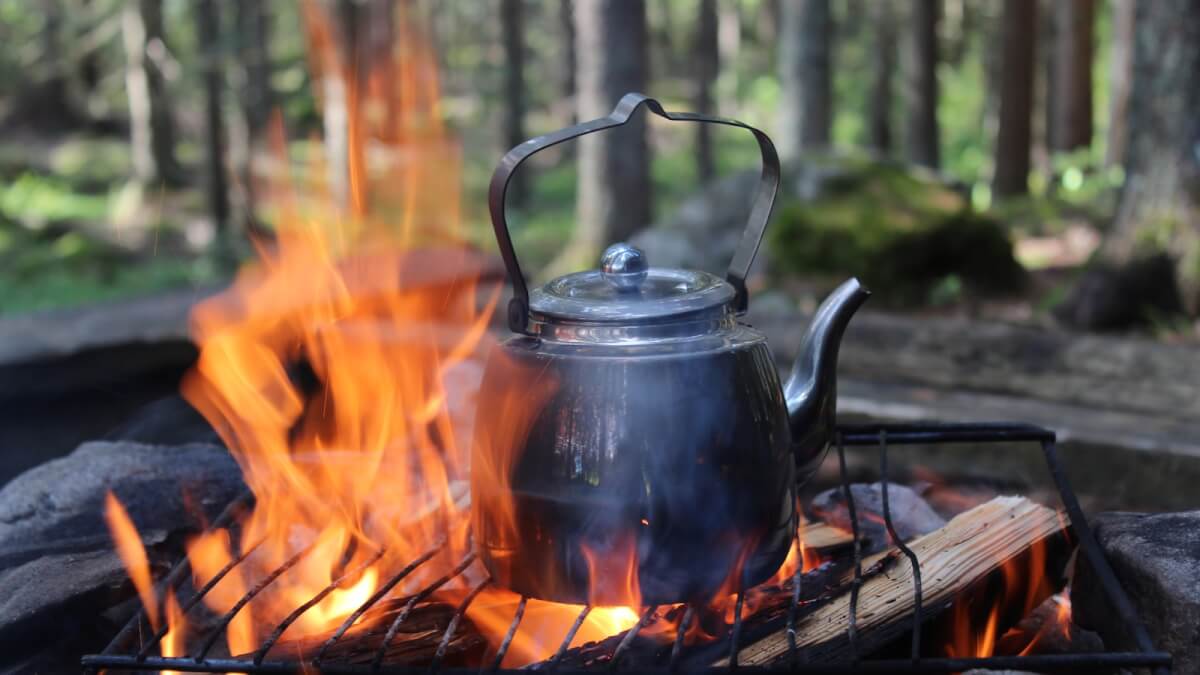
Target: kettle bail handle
[(743, 257)]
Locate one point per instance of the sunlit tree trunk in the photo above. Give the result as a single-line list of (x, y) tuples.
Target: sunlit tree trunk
[(920, 83), (614, 191), (152, 128), (512, 29), (1014, 136), (706, 64), (883, 66), (805, 46), (1120, 80), (1071, 119)]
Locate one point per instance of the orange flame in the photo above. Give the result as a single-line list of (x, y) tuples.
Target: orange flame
[(137, 564), (326, 368), (1025, 586)]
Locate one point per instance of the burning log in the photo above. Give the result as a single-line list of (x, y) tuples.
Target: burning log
[(953, 559)]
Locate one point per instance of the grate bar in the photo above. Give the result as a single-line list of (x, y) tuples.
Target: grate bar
[(508, 637), (794, 608), (375, 597), (566, 643), (680, 634), (245, 599), (630, 636), (1091, 549), (735, 635), (454, 621), (908, 552), (931, 666), (177, 574), (312, 602), (195, 599), (852, 619), (883, 436), (412, 602)]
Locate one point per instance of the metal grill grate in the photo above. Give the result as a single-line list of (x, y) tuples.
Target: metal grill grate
[(125, 654)]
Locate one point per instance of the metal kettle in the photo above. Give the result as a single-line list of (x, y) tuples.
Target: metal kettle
[(633, 440)]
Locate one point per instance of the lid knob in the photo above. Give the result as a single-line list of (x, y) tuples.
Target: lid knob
[(624, 267)]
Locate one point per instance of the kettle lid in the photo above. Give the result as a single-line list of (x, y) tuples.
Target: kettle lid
[(626, 290)]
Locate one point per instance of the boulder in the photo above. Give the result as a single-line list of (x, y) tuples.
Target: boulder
[(1156, 557), (911, 515), (58, 507)]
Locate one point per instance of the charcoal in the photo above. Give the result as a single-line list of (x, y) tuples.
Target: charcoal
[(911, 515), (1157, 560), (58, 507)]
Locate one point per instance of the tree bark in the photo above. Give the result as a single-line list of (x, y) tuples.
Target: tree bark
[(1014, 136), (152, 128), (1120, 77), (883, 66), (805, 46), (252, 32), (1071, 120), (208, 22), (706, 65), (566, 31), (1160, 202), (920, 83), (614, 193), (512, 28)]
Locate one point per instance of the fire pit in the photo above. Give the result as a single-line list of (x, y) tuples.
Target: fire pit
[(772, 637)]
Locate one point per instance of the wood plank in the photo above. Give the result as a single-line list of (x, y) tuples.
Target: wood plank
[(968, 549), (820, 536)]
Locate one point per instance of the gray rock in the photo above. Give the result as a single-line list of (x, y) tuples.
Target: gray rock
[(1157, 559), (61, 597), (703, 232), (911, 515), (58, 507)]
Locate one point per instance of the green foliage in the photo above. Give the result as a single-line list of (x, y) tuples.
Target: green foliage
[(37, 201), (911, 239)]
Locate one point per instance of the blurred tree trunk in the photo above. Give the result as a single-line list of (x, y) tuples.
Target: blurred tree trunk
[(1071, 120), (1120, 80), (208, 22), (920, 83), (805, 47), (152, 128), (1152, 251), (255, 96), (729, 45), (339, 82), (883, 66), (1160, 201), (512, 29), (253, 34), (1014, 136), (614, 190), (566, 32), (706, 64)]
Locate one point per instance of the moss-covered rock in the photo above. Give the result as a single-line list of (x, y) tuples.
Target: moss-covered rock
[(902, 232)]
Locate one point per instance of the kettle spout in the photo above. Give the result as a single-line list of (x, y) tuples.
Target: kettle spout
[(811, 391)]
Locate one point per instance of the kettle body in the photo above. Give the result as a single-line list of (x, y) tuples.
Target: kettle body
[(634, 444)]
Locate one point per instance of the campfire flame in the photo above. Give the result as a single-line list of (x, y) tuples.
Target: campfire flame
[(132, 553), (324, 367), (978, 620)]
